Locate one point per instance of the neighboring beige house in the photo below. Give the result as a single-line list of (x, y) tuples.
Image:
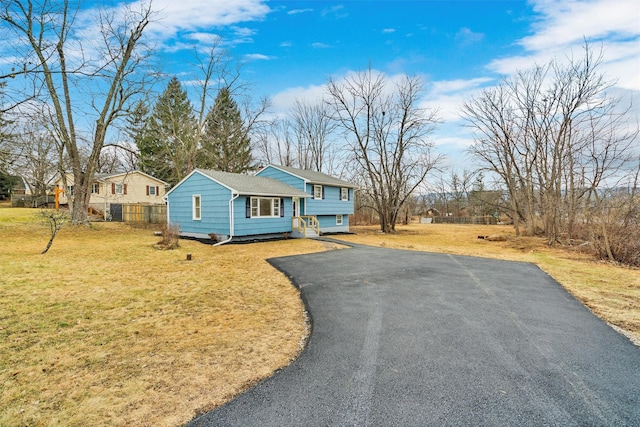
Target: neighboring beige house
[(110, 191)]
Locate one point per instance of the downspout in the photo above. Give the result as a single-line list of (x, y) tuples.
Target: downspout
[(165, 199), (231, 222)]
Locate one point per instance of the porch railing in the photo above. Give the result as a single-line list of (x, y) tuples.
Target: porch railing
[(304, 222)]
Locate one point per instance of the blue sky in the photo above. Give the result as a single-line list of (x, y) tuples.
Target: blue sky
[(290, 48)]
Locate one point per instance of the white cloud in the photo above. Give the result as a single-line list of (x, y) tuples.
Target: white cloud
[(568, 22), (257, 57), (562, 27), (194, 15), (284, 100), (320, 45), (337, 11), (465, 36), (389, 30), (298, 11), (448, 95)]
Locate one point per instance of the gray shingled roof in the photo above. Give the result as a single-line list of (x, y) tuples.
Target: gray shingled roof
[(314, 177), (253, 185)]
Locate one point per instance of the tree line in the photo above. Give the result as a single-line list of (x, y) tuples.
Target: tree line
[(553, 148)]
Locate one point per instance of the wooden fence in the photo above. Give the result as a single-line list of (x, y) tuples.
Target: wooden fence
[(488, 220), (28, 201), (144, 214)]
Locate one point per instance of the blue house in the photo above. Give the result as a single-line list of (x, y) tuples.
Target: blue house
[(329, 200), (224, 206)]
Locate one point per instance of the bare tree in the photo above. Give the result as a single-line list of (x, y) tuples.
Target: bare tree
[(55, 220), (550, 134), (108, 76), (35, 156), (275, 144), (313, 126), (388, 135)]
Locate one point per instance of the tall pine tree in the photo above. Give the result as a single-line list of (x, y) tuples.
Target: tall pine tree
[(226, 145), (167, 144)]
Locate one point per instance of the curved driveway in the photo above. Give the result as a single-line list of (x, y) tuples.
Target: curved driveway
[(404, 338)]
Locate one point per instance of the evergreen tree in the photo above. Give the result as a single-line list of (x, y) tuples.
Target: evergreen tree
[(137, 126), (167, 145), (226, 145)]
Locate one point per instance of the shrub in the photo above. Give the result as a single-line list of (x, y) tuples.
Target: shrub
[(170, 237)]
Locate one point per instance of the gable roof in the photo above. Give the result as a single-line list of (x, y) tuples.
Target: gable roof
[(314, 177), (106, 176), (251, 185), (103, 177)]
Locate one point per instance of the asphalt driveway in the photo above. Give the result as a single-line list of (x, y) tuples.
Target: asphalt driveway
[(403, 338)]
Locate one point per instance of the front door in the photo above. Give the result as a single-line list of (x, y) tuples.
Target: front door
[(295, 202)]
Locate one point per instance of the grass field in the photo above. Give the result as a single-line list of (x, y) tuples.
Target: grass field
[(106, 330)]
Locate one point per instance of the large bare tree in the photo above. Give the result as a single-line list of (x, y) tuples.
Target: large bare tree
[(86, 85), (388, 133), (553, 136), (313, 127)]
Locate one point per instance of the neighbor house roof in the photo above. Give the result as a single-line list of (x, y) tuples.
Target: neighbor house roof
[(314, 177), (252, 185), (106, 176)]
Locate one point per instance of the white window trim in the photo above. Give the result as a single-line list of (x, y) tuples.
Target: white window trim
[(274, 210), (95, 188), (196, 212), (152, 191), (119, 188), (344, 194), (339, 219), (317, 189)]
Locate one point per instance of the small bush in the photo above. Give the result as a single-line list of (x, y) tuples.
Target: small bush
[(170, 237), (624, 241)]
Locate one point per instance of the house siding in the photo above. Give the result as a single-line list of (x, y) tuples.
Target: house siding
[(331, 204), (214, 200), (252, 226), (328, 224), (271, 172)]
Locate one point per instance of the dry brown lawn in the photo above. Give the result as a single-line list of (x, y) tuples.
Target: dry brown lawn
[(105, 330)]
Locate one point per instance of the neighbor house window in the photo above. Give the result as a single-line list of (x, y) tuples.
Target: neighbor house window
[(265, 207), (344, 194), (339, 219), (153, 190), (95, 188), (317, 191), (118, 188), (196, 207)]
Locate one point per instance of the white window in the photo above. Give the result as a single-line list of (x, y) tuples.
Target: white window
[(196, 207), (339, 219), (265, 207), (344, 194), (152, 190), (317, 192), (118, 189), (95, 188)]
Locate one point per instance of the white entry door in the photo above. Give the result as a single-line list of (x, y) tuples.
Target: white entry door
[(295, 202)]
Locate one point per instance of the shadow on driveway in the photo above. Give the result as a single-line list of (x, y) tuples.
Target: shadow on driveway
[(403, 338)]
